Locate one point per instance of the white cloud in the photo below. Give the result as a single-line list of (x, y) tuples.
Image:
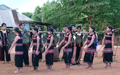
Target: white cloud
[(30, 7)]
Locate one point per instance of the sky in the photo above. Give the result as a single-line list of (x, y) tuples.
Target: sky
[(23, 5)]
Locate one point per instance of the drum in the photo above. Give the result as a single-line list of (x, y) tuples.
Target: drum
[(11, 37), (26, 38), (61, 38), (44, 39), (56, 39), (100, 36), (78, 39), (8, 44), (72, 40), (56, 54), (85, 37)]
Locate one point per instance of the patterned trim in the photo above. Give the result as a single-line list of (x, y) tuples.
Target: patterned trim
[(34, 52), (108, 41), (17, 44), (68, 50), (34, 44), (18, 52)]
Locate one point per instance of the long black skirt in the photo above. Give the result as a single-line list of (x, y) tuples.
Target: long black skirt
[(35, 61), (88, 58), (19, 61), (67, 57), (107, 57), (49, 58)]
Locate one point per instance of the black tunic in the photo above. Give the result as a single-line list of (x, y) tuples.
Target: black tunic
[(89, 54), (19, 53), (108, 53), (67, 50), (50, 54), (35, 58)]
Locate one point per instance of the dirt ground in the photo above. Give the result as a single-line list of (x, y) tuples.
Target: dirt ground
[(7, 69)]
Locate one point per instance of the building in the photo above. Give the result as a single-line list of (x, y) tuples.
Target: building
[(12, 18)]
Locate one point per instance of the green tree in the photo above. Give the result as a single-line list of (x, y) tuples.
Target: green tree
[(37, 14), (86, 12), (28, 14)]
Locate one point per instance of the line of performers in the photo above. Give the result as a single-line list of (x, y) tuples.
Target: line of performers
[(72, 52)]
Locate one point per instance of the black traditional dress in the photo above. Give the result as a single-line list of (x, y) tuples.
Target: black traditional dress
[(50, 53), (35, 58), (67, 50), (78, 48), (107, 52), (19, 53), (89, 53), (3, 37)]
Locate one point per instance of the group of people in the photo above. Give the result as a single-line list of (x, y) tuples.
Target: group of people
[(72, 51)]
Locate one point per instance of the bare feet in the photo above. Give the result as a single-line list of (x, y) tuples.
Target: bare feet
[(109, 66), (35, 70), (66, 68), (87, 67), (106, 66), (17, 71), (90, 68), (48, 69)]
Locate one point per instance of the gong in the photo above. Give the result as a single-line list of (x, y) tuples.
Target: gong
[(55, 39), (26, 38), (78, 39), (44, 39), (11, 37)]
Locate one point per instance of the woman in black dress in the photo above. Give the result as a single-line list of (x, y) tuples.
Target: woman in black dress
[(35, 51), (67, 48), (50, 50), (18, 50), (77, 53), (109, 47), (90, 49)]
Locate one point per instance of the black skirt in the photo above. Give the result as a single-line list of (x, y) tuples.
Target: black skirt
[(35, 61), (49, 58), (19, 57), (67, 57), (19, 61), (88, 58), (107, 57)]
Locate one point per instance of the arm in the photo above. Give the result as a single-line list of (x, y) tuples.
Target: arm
[(69, 40), (38, 39), (51, 40), (92, 41), (62, 41), (16, 39), (31, 45), (103, 41), (85, 42), (113, 41)]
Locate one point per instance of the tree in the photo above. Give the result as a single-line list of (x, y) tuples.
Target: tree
[(28, 14), (37, 14), (86, 12)]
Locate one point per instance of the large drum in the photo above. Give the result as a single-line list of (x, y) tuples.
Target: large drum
[(26, 38), (78, 39), (11, 37), (61, 38), (44, 39), (100, 36), (72, 40), (85, 37), (56, 54), (56, 39)]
